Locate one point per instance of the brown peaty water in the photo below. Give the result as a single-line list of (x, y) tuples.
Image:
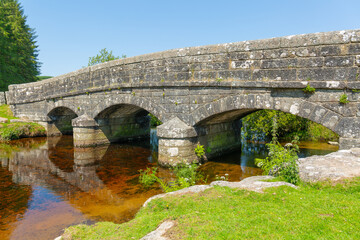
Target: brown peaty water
[(46, 185)]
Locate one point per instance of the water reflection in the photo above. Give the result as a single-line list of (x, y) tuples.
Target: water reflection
[(47, 185)]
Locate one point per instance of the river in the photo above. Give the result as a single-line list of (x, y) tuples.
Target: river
[(46, 185)]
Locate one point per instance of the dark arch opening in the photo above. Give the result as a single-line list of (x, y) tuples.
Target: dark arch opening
[(226, 131), (61, 120), (124, 122)]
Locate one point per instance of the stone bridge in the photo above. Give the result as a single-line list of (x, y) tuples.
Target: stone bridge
[(201, 93)]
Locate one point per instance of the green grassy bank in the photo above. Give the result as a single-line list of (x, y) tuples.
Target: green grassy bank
[(319, 211), (11, 131)]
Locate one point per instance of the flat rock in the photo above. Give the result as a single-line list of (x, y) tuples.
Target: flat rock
[(3, 120), (18, 120), (160, 231), (334, 166), (255, 183), (192, 189)]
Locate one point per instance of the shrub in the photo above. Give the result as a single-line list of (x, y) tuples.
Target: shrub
[(344, 99), (281, 161), (154, 121), (200, 151), (186, 175), (309, 89)]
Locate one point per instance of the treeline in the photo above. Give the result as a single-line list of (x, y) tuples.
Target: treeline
[(258, 127), (18, 49)]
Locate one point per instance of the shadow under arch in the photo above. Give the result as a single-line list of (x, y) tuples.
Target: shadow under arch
[(218, 124), (60, 121), (235, 107), (124, 122)]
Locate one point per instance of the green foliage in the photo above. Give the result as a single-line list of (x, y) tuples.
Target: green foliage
[(258, 126), (40, 78), (344, 99), (186, 176), (103, 56), (148, 176), (18, 58), (281, 161), (200, 151), (309, 89), (5, 112), (154, 121)]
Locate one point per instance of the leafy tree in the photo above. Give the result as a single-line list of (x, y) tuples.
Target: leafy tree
[(103, 56), (261, 122), (18, 49)]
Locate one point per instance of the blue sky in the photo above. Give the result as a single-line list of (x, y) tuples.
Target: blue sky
[(70, 31)]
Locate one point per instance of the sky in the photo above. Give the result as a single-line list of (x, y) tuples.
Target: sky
[(71, 31)]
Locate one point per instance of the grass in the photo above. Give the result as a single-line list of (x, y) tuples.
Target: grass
[(318, 211), (11, 131), (39, 78), (5, 112)]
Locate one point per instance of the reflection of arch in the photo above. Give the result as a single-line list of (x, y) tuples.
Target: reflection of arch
[(234, 107), (61, 120)]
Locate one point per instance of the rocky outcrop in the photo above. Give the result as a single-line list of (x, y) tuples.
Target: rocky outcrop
[(334, 166)]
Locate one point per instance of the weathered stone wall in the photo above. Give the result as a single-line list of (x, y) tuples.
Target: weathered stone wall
[(2, 98)]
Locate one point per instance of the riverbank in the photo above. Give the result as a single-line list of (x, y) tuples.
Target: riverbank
[(12, 128), (312, 211), (249, 209)]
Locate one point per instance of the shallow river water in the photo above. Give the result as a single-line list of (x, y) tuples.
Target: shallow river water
[(46, 185)]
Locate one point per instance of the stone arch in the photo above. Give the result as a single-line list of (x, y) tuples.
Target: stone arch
[(140, 102), (238, 106), (123, 118), (59, 121)]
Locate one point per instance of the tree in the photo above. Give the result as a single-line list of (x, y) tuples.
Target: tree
[(18, 49), (103, 56)]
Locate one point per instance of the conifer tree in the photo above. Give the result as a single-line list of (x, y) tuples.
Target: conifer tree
[(18, 49)]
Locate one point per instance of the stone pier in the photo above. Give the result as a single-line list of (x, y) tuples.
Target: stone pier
[(87, 132), (177, 141)]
